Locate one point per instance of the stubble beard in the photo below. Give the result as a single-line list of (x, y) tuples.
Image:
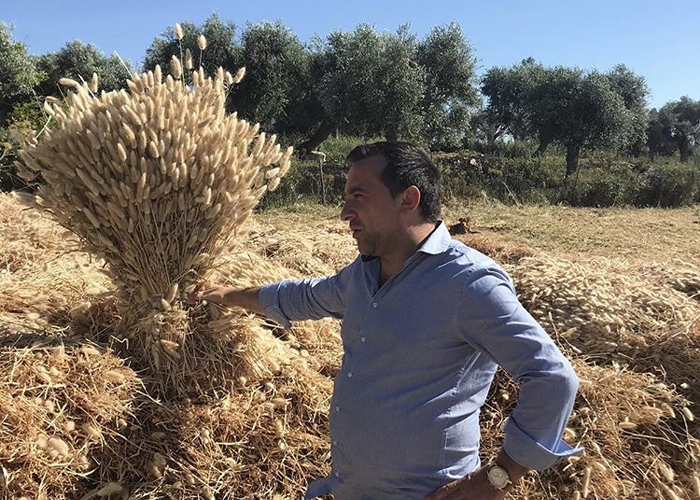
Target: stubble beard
[(369, 244)]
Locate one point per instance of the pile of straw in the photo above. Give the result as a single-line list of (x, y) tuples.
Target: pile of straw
[(61, 405), (157, 182), (267, 437)]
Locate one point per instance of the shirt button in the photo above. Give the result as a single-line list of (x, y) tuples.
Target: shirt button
[(363, 338), (337, 409), (335, 443), (349, 374), (375, 304), (337, 474)]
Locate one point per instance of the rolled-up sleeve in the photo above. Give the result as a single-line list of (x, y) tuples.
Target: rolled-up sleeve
[(311, 298), (492, 319)]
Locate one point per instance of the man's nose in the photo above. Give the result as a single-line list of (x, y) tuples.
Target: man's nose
[(346, 214)]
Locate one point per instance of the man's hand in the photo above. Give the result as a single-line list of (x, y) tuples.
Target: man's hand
[(218, 294), (227, 296), (474, 486)]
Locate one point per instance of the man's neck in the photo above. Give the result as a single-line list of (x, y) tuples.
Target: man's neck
[(406, 245)]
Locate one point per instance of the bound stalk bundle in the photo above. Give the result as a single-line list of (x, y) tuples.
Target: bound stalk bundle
[(157, 181)]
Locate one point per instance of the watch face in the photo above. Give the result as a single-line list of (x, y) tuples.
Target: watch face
[(498, 476)]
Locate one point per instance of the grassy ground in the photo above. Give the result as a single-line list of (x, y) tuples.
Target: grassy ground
[(631, 233), (644, 234)]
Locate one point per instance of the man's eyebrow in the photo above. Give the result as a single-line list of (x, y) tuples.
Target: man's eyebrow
[(356, 189)]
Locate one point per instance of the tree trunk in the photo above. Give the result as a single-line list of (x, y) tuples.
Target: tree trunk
[(572, 151), (324, 130), (684, 149), (544, 142)]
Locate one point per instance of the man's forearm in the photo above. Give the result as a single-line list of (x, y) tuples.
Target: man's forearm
[(246, 298)]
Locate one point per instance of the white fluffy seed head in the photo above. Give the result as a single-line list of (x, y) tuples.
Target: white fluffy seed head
[(178, 31), (176, 67), (69, 82), (201, 42), (239, 75), (94, 83)]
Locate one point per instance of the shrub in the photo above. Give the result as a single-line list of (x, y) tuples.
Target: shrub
[(669, 185)]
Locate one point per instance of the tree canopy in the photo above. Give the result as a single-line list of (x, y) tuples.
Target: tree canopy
[(19, 74), (575, 108), (78, 60), (675, 127)]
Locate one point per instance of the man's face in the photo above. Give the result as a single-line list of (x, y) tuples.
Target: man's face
[(370, 210)]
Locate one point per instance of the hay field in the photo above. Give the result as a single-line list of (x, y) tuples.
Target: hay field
[(617, 289)]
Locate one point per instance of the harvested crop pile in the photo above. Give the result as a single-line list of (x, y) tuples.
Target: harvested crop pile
[(600, 301), (268, 435), (318, 252), (157, 181), (634, 429), (608, 309), (60, 405)]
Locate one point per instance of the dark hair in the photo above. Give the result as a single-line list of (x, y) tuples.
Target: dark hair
[(406, 165)]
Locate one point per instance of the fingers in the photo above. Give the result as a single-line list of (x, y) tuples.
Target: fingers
[(201, 292), (442, 493)]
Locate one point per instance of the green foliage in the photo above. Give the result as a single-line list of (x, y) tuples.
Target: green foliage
[(392, 85), (633, 90), (346, 79), (19, 74), (468, 174), (79, 61), (568, 106), (666, 184), (508, 91), (508, 149), (275, 89), (221, 49), (450, 93), (337, 146), (675, 127), (601, 187), (401, 88), (603, 180), (669, 184), (24, 117)]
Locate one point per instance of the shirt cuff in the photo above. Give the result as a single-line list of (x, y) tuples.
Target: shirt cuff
[(269, 299), (529, 453), (318, 487)]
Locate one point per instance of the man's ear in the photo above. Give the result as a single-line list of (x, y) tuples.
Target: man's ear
[(410, 199)]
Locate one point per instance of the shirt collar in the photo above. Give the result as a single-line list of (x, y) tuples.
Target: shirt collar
[(437, 242)]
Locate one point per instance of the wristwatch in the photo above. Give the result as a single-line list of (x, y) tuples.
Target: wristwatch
[(498, 476)]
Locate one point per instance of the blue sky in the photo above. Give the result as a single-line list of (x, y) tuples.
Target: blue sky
[(659, 40)]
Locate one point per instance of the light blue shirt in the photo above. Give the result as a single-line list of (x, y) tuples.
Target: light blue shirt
[(419, 357)]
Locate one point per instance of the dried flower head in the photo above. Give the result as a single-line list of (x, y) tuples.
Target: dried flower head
[(239, 75), (201, 42), (178, 31), (176, 67), (94, 83)]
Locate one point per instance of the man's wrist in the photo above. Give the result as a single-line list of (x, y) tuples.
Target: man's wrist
[(497, 477), (514, 470)]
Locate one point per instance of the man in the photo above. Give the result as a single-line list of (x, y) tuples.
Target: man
[(426, 321)]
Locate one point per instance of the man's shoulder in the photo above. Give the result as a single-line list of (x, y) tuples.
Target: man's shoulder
[(462, 254), (467, 262)]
